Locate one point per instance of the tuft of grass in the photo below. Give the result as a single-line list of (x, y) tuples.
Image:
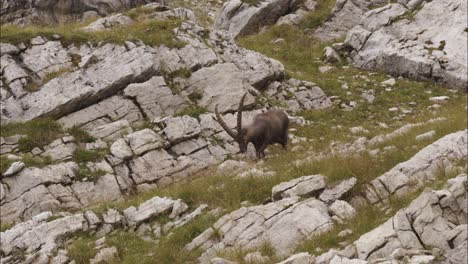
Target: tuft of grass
[(193, 110), (5, 226), (195, 96), (38, 132), (84, 172), (80, 135), (55, 74), (138, 12), (82, 155), (321, 13), (36, 161), (5, 163), (151, 32), (82, 249)]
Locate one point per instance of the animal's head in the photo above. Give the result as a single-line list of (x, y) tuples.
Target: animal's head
[(240, 135)]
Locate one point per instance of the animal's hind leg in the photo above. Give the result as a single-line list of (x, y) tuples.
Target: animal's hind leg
[(284, 141)]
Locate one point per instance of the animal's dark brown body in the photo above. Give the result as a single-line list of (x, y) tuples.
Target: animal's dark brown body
[(266, 129)]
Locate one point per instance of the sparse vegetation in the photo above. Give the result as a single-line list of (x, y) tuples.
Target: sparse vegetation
[(151, 32), (5, 164), (85, 173), (4, 227), (38, 132), (169, 250), (192, 110), (318, 16), (52, 75), (195, 96), (36, 161), (82, 249), (83, 155), (80, 135)]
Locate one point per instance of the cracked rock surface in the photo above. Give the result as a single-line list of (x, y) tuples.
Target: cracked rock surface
[(416, 39)]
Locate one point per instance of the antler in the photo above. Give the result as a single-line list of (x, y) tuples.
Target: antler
[(223, 124), (239, 114)]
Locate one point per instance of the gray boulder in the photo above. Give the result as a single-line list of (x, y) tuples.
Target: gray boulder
[(385, 41), (239, 18)]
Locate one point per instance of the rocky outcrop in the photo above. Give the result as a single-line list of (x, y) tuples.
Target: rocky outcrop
[(416, 39), (88, 90), (423, 167), (276, 223), (39, 239), (344, 15), (296, 214), (240, 18), (432, 226), (45, 12)]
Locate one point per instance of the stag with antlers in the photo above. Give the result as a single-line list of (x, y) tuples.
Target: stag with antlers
[(266, 129)]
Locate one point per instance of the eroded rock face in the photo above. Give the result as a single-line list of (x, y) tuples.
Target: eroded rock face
[(41, 237), (345, 15), (278, 223), (46, 11), (239, 18), (421, 41), (434, 220), (422, 167)]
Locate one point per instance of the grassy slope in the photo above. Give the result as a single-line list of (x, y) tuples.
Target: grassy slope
[(300, 54)]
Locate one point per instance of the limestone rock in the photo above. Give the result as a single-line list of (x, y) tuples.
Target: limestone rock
[(144, 140), (148, 209), (14, 168), (181, 128), (219, 84), (331, 194), (155, 97), (342, 209), (109, 22), (178, 209), (277, 223), (104, 255), (239, 18), (299, 258), (385, 40), (120, 149), (302, 186), (70, 91)]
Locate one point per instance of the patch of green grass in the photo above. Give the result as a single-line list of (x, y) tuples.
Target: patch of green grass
[(31, 86), (82, 249), (151, 32), (138, 12), (321, 13), (193, 110), (82, 155), (5, 163), (238, 254), (5, 226), (55, 74), (36, 161), (195, 96), (38, 132), (80, 135)]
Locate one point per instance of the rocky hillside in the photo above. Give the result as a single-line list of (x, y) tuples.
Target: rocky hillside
[(110, 151)]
